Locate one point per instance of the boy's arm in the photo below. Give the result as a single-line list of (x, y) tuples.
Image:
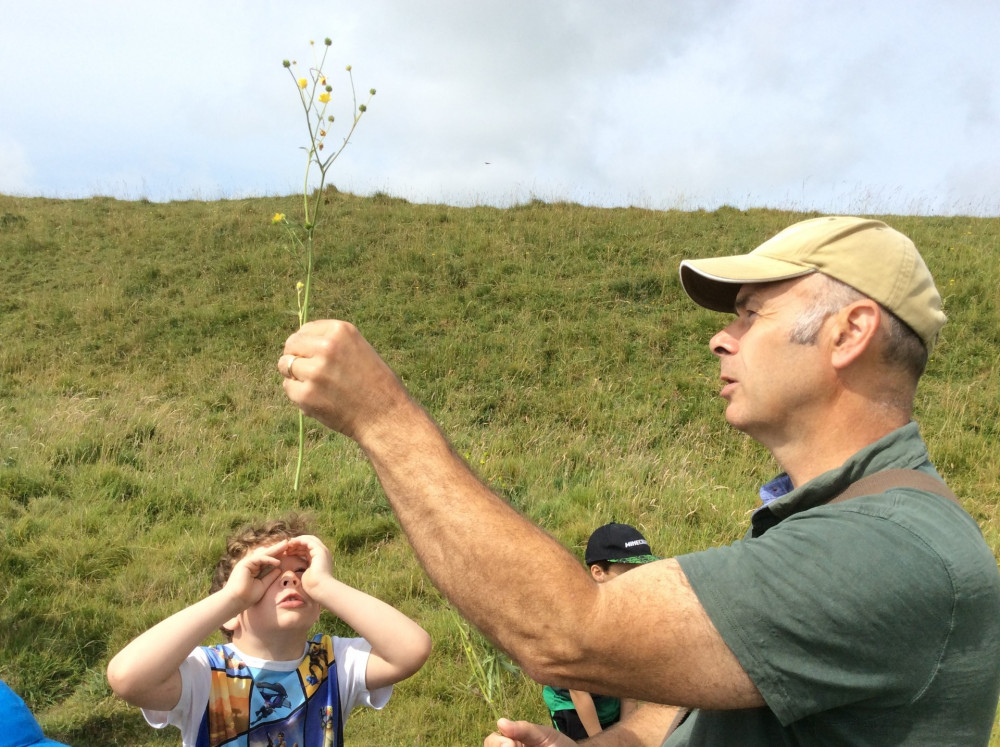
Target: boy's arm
[(586, 710), (146, 673), (399, 645)]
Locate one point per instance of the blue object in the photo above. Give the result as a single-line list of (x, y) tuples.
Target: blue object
[(20, 729)]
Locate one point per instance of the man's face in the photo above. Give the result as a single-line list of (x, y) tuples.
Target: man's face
[(770, 383)]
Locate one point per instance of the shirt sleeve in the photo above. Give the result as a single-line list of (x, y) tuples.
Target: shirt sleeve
[(352, 664), (830, 607), (196, 679)]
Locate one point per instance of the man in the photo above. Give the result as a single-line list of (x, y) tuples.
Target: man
[(874, 620)]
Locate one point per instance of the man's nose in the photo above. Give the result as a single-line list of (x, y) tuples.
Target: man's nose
[(723, 342)]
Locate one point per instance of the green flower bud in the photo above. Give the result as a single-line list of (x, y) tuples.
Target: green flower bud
[(286, 63), (372, 92), (329, 118), (327, 42), (362, 108), (329, 88)]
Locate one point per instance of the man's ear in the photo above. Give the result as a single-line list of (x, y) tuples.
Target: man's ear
[(853, 329), (597, 573)]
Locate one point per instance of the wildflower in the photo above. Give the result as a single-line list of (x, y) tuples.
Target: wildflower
[(315, 106), (362, 108)]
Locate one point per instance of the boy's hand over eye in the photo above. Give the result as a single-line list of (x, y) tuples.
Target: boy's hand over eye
[(317, 554), (254, 572)]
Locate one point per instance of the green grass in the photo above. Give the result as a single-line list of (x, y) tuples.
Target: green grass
[(141, 413)]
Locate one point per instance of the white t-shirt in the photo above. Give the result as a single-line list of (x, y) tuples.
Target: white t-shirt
[(351, 655)]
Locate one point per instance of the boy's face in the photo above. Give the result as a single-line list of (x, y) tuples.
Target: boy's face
[(614, 570), (285, 606)]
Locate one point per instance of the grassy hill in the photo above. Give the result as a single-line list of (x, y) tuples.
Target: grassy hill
[(142, 414)]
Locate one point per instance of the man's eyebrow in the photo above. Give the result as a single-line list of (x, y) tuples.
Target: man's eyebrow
[(742, 301)]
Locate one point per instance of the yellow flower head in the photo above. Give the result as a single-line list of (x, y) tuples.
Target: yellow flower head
[(300, 285), (324, 98), (303, 82), (278, 218)]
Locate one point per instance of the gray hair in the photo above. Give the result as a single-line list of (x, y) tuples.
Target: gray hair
[(902, 347)]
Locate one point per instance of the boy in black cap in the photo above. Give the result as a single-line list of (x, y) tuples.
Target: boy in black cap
[(611, 550)]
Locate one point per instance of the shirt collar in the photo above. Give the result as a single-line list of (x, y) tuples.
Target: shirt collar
[(902, 448)]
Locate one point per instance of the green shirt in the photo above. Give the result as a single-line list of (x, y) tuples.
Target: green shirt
[(558, 699), (875, 621)]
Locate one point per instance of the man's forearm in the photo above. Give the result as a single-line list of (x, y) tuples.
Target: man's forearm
[(513, 581), (472, 544)]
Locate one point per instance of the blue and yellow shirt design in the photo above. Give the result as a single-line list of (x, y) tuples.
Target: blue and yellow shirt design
[(252, 707)]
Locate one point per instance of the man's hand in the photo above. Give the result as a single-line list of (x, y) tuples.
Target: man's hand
[(525, 734), (336, 377)]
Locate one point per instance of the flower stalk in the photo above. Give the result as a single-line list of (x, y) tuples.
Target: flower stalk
[(315, 97)]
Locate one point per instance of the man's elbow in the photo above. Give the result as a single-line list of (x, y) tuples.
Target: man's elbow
[(550, 661)]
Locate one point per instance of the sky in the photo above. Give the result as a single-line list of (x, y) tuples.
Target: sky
[(839, 106)]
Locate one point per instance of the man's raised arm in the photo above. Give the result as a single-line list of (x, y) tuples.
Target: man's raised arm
[(559, 625)]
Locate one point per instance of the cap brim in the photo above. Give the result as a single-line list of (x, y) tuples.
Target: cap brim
[(635, 559), (715, 282)]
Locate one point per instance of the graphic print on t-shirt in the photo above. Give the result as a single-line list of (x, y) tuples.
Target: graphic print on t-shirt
[(260, 707)]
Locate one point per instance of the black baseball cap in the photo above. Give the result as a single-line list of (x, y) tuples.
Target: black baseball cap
[(618, 543)]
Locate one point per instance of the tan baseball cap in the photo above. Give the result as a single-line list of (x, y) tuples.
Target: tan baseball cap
[(865, 254)]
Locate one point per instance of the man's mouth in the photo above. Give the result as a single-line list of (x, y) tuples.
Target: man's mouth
[(727, 384)]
